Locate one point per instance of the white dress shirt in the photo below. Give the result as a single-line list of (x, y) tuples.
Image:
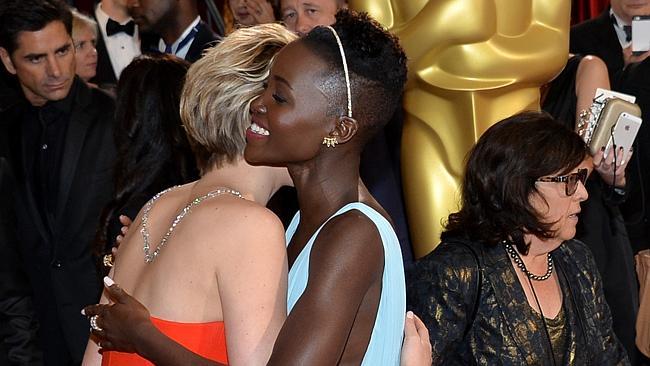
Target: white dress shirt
[(121, 47), (182, 52), (620, 32)]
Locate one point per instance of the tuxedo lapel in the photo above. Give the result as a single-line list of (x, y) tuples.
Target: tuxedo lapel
[(608, 41), (74, 143), (511, 299), (204, 38), (105, 71)]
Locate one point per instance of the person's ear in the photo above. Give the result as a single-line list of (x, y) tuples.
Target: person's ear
[(6, 60), (345, 129)]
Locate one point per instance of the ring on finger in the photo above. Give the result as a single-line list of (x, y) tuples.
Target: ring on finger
[(93, 323)]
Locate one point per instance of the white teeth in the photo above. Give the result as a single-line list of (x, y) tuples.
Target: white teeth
[(259, 130)]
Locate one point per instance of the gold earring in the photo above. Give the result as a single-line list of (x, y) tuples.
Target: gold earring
[(330, 141)]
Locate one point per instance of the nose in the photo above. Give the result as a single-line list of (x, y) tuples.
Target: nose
[(581, 193), (303, 25), (257, 107), (53, 68)]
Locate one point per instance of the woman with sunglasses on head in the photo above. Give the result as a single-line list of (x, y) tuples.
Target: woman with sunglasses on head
[(508, 284)]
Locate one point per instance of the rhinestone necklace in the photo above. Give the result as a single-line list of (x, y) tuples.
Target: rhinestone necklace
[(150, 256), (520, 263)]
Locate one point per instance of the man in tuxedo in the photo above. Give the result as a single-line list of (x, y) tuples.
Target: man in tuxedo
[(62, 151), (609, 36), (172, 26), (118, 42)]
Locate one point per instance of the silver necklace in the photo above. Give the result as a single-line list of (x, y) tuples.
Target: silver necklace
[(151, 256), (520, 263)]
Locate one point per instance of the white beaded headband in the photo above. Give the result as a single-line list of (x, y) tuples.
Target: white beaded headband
[(345, 69)]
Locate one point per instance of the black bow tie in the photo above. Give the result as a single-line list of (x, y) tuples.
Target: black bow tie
[(113, 27), (628, 33), (626, 28)]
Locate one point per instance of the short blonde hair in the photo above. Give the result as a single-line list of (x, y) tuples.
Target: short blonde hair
[(220, 87), (80, 20)]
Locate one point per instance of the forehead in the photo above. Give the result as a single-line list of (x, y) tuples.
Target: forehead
[(298, 65), (302, 3), (45, 40)]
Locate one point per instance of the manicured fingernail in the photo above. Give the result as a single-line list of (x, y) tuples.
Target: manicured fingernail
[(409, 314), (123, 230), (83, 312), (108, 281)]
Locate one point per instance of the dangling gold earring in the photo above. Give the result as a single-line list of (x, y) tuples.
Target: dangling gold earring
[(330, 141)]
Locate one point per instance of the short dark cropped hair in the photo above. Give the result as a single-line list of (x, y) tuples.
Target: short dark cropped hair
[(500, 178), (376, 62), (29, 16)]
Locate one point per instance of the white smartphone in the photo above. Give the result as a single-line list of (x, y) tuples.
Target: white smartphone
[(623, 133), (640, 34)]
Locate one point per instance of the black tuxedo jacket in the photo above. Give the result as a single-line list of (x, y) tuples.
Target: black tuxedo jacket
[(18, 323), (57, 258), (204, 39), (105, 72), (598, 37)]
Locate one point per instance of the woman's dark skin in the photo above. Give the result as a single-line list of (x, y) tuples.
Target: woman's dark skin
[(332, 321), (346, 263)]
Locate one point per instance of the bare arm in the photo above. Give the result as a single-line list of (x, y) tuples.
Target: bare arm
[(591, 75), (347, 258)]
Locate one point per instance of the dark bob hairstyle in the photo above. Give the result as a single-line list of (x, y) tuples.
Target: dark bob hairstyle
[(500, 178)]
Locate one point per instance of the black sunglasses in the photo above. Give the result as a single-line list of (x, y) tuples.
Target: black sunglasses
[(571, 180)]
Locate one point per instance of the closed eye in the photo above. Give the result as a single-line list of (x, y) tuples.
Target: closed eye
[(279, 99)]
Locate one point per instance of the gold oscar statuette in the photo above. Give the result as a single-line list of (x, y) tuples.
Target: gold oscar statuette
[(471, 64)]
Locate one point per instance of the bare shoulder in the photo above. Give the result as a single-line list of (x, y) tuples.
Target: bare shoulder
[(239, 222), (350, 240)]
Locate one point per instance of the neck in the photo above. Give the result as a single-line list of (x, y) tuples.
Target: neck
[(173, 31), (115, 11), (325, 185), (536, 259), (255, 183)]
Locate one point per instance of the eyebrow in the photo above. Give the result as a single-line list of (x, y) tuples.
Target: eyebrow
[(282, 80), (37, 55)]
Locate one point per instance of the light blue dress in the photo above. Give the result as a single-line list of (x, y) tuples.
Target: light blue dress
[(386, 339)]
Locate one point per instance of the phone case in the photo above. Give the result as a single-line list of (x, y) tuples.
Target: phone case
[(606, 120), (625, 130)]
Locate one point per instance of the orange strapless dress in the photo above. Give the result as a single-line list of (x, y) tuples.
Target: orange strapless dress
[(205, 339)]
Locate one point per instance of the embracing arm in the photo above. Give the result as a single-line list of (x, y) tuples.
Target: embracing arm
[(440, 289), (346, 259)]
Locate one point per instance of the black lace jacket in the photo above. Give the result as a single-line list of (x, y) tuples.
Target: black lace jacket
[(442, 288)]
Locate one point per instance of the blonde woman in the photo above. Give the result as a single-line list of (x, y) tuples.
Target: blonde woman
[(84, 36), (213, 273)]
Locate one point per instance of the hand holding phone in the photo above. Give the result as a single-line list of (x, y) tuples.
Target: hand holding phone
[(622, 135)]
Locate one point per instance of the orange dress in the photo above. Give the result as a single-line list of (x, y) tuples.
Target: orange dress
[(205, 339)]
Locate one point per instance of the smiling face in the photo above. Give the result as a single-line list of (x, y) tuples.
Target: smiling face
[(44, 63), (554, 206), (301, 16), (290, 118), (627, 9), (85, 39)]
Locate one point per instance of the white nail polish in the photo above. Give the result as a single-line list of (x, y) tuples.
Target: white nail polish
[(108, 281)]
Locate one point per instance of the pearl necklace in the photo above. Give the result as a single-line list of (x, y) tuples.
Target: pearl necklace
[(150, 256), (520, 263)]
